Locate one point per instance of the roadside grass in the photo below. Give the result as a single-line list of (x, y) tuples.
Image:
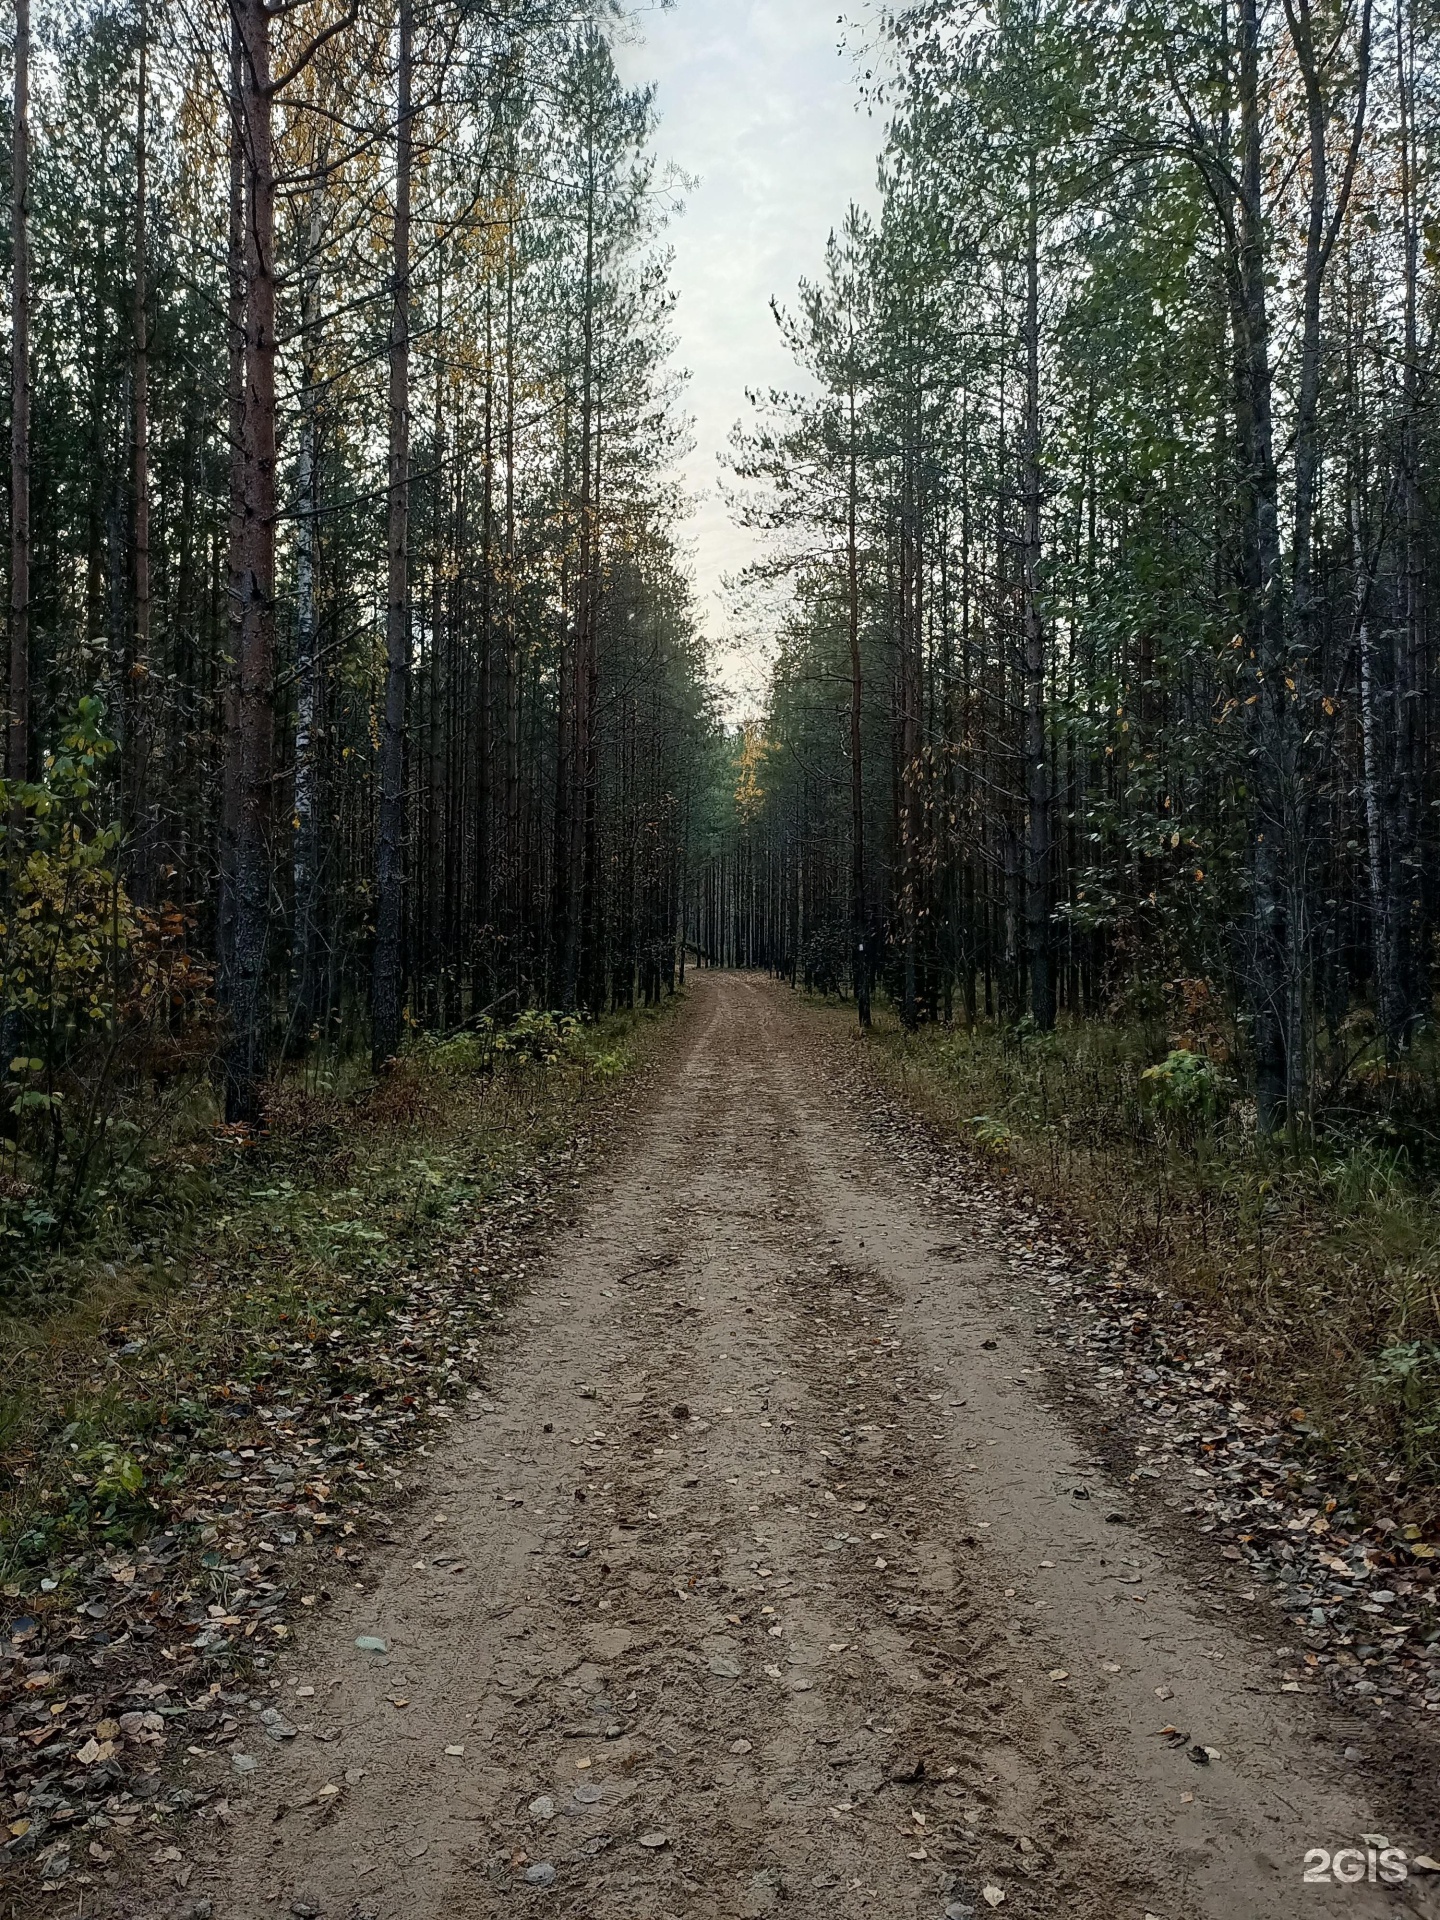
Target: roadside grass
[(140, 1330), (1319, 1262)]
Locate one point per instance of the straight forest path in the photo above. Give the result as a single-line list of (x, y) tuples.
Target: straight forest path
[(760, 1583)]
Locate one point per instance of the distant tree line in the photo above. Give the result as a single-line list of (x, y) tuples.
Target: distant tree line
[(1108, 510)]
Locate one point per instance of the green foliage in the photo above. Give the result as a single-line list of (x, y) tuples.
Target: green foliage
[(825, 958), (1407, 1374), (67, 922), (95, 993), (118, 1475), (1185, 1086), (536, 1035), (461, 1054)]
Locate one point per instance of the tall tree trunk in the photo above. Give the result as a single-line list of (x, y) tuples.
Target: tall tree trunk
[(859, 930), (1389, 1003), (513, 900), (254, 574), (235, 538), (485, 718), (1038, 938), (909, 742), (390, 864), (1406, 905), (142, 863), (592, 977), (17, 757), (1272, 1034), (305, 845), (570, 873)]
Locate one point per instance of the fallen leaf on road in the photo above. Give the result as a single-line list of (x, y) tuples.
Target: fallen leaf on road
[(992, 1896)]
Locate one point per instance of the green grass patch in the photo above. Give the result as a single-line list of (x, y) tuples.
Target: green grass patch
[(244, 1258)]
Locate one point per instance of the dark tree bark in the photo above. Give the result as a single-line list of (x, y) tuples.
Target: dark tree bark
[(859, 928), (1038, 940), (253, 573), (305, 848), (1263, 600), (17, 757), (387, 985), (142, 864), (235, 534), (911, 625)]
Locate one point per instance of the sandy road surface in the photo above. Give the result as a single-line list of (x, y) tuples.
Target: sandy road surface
[(763, 1584)]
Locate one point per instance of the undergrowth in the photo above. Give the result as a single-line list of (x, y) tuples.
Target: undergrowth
[(1321, 1259), (234, 1236)]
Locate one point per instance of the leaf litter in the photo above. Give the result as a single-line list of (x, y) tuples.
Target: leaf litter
[(132, 1667), (1358, 1586)]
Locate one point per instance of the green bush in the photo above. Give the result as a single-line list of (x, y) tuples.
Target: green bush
[(1185, 1086)]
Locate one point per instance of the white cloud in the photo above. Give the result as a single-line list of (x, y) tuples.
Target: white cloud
[(757, 101)]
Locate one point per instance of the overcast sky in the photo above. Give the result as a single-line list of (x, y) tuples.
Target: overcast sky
[(757, 103)]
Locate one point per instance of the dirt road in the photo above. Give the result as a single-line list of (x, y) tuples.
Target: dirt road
[(763, 1580)]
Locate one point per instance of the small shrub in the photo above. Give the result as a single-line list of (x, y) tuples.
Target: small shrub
[(466, 1055), (537, 1035), (107, 1011), (1185, 1086), (1407, 1375)]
